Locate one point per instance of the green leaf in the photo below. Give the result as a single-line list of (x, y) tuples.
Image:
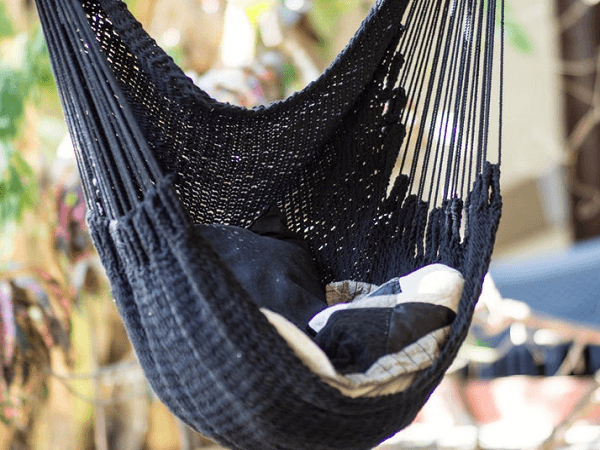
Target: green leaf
[(518, 38), (326, 14), (6, 26), (18, 188), (71, 199), (12, 105), (289, 75), (37, 78), (38, 62), (516, 34), (21, 166)]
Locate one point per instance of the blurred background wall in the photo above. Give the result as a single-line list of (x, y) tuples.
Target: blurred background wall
[(535, 214)]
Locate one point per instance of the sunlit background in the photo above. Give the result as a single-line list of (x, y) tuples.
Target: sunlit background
[(527, 377)]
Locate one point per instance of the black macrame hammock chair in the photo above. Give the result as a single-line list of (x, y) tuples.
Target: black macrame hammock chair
[(384, 164)]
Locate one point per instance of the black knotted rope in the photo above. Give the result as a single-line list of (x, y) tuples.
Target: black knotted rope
[(384, 164)]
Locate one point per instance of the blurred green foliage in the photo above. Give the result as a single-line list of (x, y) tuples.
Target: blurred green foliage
[(516, 35), (25, 76), (325, 17), (6, 28)]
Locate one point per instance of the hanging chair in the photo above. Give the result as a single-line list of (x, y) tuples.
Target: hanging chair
[(383, 165)]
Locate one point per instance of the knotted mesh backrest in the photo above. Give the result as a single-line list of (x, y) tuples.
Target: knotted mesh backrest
[(327, 154), (383, 164)]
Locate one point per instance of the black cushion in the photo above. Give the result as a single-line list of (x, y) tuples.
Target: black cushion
[(272, 264), (354, 339)]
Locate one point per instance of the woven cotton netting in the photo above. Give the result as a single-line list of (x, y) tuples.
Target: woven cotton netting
[(384, 164), (326, 154)]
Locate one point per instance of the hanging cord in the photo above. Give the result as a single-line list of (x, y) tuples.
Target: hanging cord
[(129, 153), (427, 21), (501, 105), (448, 76), (115, 161)]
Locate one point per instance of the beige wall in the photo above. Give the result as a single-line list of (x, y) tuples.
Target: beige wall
[(535, 214)]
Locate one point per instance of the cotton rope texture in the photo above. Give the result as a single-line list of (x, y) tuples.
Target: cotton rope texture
[(157, 155)]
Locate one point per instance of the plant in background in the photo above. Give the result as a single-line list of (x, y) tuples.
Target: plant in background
[(25, 77), (325, 17), (35, 307), (516, 35)]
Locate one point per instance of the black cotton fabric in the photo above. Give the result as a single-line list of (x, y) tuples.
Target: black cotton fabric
[(272, 264), (354, 339)]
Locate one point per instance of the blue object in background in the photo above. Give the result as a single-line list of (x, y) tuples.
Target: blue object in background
[(564, 285)]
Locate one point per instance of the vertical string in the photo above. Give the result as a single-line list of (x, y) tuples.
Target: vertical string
[(472, 122), (448, 78), (413, 108), (501, 83)]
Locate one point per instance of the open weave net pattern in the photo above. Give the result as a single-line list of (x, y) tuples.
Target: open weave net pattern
[(381, 164)]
